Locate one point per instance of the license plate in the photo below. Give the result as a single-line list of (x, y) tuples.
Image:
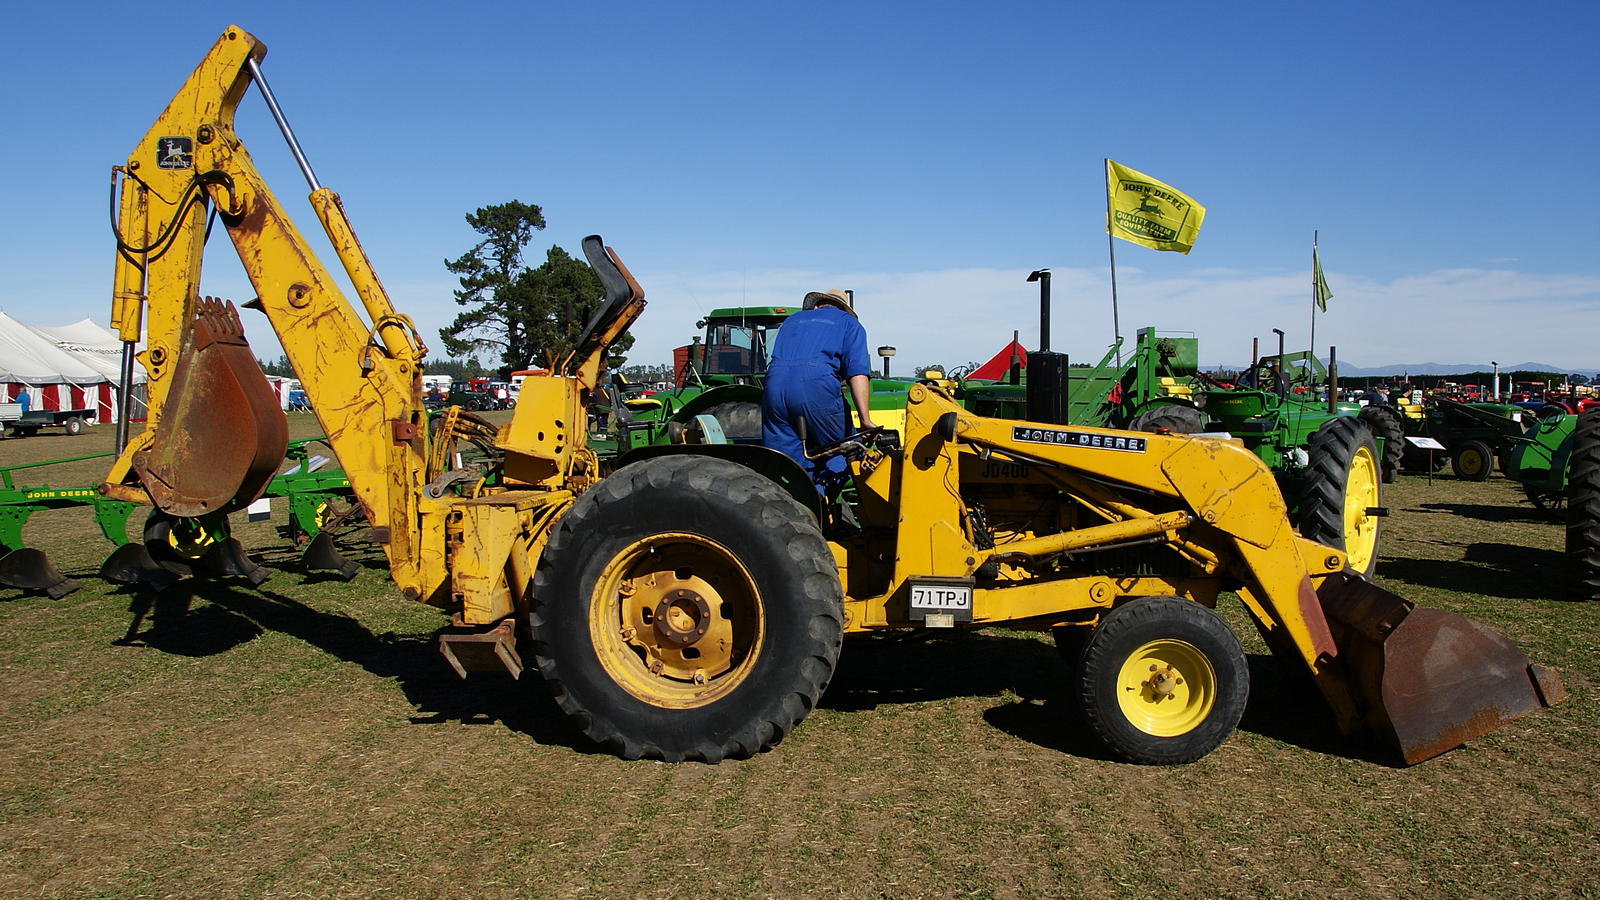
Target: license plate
[(941, 600)]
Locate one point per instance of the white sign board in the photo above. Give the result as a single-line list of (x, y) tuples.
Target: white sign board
[(1426, 443)]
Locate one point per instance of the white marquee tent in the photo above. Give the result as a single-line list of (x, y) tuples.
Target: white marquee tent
[(73, 366)]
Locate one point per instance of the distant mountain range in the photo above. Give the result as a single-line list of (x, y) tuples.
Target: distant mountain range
[(1349, 371)]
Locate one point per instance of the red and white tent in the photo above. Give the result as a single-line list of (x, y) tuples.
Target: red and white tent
[(74, 366)]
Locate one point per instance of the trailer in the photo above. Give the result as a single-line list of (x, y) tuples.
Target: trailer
[(16, 423)]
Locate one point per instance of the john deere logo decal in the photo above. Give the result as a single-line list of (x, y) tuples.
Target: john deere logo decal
[(175, 153), (1149, 210), (1078, 439)]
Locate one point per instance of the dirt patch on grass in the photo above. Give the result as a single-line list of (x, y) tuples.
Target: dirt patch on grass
[(305, 739)]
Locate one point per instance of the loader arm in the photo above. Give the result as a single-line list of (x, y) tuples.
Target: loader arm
[(1424, 680)]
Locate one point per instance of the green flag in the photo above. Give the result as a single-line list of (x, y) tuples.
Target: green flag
[(1149, 213), (1319, 284)]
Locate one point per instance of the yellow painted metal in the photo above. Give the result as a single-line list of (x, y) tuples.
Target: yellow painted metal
[(1166, 688), (1131, 529), (548, 424), (1360, 496), (676, 620)]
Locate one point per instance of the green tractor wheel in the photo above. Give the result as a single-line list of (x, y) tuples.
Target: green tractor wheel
[(1383, 423), (1472, 461), (1342, 491), (1583, 509)]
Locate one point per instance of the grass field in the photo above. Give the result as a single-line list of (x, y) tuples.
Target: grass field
[(305, 739)]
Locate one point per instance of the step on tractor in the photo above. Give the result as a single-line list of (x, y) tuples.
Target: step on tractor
[(692, 601)]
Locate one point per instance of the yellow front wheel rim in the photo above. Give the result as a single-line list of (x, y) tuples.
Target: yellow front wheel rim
[(1360, 496), (676, 620), (1472, 462), (1166, 688)]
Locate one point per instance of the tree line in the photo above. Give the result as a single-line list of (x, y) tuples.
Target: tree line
[(520, 316)]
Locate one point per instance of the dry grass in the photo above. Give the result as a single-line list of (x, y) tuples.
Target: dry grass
[(305, 739)]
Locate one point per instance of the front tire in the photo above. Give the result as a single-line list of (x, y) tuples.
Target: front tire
[(687, 608), (1341, 488), (1472, 461), (74, 425), (1162, 681)]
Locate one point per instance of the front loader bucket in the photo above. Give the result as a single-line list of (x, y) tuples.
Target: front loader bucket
[(30, 570), (1430, 680), (221, 433)]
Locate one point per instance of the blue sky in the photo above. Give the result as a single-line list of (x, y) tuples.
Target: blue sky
[(926, 155)]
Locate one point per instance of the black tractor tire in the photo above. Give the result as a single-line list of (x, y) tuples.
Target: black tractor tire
[(1384, 423), (740, 419), (1336, 451), (1472, 461), (74, 425), (1201, 652), (758, 557), (1583, 509), (1175, 418)]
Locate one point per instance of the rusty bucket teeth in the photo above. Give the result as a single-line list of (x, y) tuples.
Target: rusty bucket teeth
[(220, 434), (1430, 680), (226, 557), (30, 570), (133, 564), (322, 555)]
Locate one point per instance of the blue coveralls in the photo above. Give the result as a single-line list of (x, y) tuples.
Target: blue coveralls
[(816, 349)]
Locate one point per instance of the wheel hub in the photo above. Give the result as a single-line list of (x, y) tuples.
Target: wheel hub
[(682, 617)]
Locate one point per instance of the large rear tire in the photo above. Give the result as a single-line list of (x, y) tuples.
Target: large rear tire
[(1342, 486), (740, 419), (687, 608), (1385, 424), (1472, 461), (1583, 509), (1174, 418), (1162, 681)]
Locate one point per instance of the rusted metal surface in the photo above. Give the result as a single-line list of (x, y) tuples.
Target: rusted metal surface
[(491, 651), (222, 434), (1430, 680)]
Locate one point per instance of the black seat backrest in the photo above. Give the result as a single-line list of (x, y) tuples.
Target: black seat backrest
[(617, 291)]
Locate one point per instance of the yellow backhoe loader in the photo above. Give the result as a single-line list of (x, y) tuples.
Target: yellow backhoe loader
[(687, 604)]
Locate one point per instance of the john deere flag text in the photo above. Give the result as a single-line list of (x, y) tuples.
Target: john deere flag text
[(1145, 211)]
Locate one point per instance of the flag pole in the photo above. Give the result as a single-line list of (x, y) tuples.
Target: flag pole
[(1313, 296), (1111, 246)]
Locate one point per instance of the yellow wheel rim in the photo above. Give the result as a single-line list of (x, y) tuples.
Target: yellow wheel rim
[(676, 620), (1360, 496), (1166, 688), (188, 539), (1472, 462)]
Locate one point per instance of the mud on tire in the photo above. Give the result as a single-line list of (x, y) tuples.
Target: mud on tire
[(745, 537)]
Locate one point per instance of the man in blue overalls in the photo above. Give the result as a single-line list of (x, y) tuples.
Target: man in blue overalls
[(816, 349)]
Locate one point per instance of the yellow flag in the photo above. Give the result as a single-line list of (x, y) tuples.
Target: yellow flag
[(1145, 211)]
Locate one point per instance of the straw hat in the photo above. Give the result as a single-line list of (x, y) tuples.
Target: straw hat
[(832, 297)]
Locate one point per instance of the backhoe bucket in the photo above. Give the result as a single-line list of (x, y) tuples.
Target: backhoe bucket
[(1430, 680), (30, 570), (221, 434)]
